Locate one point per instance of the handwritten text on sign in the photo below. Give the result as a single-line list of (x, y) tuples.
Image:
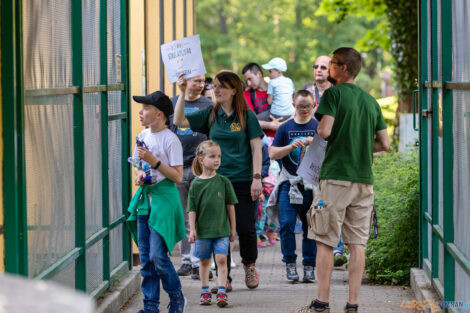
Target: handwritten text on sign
[(183, 56)]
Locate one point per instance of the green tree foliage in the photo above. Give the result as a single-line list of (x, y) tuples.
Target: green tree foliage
[(235, 32), (396, 187), (397, 33)]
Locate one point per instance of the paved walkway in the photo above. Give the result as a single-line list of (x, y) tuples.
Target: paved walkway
[(276, 295)]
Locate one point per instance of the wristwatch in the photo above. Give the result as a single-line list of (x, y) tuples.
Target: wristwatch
[(257, 176)]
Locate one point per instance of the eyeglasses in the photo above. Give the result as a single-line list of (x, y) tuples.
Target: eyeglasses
[(337, 63), (323, 67), (304, 107)]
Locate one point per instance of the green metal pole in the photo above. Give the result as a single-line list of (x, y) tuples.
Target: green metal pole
[(78, 145), (448, 151), (14, 203), (435, 139), (104, 136), (423, 131), (125, 130)]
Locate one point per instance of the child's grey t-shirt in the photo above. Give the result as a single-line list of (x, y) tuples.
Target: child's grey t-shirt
[(282, 88), (165, 146)]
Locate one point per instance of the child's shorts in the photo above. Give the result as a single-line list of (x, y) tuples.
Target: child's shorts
[(205, 246)]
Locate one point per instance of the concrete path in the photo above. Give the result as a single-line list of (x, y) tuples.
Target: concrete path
[(276, 295)]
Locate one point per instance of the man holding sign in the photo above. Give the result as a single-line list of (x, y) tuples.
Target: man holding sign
[(352, 122)]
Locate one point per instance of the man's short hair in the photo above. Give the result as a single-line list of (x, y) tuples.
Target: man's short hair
[(253, 68), (303, 93), (351, 58)]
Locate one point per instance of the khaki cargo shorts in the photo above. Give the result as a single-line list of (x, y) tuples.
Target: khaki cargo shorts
[(347, 208)]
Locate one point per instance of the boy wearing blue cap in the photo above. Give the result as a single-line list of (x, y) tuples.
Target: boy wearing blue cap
[(156, 218), (280, 91)]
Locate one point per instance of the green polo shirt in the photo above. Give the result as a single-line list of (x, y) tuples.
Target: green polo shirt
[(237, 161), (350, 146)]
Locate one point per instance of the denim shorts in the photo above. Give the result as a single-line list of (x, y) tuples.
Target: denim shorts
[(205, 246)]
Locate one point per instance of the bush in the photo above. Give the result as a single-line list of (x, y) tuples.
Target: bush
[(390, 256)]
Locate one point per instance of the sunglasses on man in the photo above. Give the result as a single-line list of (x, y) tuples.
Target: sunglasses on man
[(323, 67)]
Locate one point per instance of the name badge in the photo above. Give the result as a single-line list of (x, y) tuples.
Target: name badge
[(235, 127)]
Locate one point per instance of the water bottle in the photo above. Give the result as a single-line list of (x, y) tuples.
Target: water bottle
[(320, 205)]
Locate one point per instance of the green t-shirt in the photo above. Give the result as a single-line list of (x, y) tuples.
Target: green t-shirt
[(350, 146), (237, 161), (209, 199)]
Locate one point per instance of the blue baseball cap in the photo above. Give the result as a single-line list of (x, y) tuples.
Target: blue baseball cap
[(277, 64)]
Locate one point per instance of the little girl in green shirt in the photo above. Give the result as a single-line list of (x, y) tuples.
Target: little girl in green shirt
[(211, 209)]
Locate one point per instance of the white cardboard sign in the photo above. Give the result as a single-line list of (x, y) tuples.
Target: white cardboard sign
[(309, 168), (183, 56)]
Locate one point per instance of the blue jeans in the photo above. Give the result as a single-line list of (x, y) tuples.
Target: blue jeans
[(288, 218), (156, 266)]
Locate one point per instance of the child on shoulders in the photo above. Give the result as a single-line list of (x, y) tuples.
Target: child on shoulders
[(211, 208), (280, 91)]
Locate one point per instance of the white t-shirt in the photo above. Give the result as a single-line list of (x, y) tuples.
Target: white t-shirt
[(165, 146), (282, 88)]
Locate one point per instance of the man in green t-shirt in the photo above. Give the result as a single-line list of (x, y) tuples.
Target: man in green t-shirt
[(352, 123)]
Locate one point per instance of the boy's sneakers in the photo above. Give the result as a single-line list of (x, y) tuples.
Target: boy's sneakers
[(340, 259), (291, 272), (185, 270), (222, 299), (177, 305), (206, 298), (309, 274), (251, 276)]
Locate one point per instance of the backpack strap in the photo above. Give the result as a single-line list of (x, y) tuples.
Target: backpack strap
[(253, 97)]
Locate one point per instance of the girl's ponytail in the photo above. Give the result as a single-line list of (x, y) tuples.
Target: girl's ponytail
[(197, 167)]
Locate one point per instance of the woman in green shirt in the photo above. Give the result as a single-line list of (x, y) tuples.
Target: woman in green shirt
[(235, 128)]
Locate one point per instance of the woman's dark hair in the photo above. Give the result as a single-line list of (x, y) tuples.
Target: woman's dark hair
[(231, 80)]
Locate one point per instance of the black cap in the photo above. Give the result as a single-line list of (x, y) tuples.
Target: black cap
[(159, 100)]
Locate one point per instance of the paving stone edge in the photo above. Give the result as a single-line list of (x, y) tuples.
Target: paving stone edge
[(113, 300), (422, 287)]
